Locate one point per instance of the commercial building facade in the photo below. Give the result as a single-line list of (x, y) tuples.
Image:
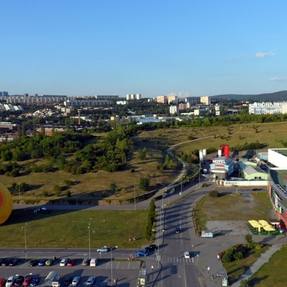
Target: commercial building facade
[(278, 183)]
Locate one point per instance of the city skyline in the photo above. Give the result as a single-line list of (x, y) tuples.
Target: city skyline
[(198, 48)]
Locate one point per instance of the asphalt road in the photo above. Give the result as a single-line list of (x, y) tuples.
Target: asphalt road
[(175, 269)]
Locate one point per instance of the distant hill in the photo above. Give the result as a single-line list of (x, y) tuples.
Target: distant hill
[(266, 97)]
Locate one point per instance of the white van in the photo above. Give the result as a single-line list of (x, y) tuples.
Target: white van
[(93, 262)]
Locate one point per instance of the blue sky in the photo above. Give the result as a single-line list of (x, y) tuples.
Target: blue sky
[(154, 47)]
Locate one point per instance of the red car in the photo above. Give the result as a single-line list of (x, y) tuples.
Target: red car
[(70, 262), (27, 280), (2, 282)]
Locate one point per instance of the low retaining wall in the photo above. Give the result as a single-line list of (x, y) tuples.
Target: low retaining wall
[(249, 183)]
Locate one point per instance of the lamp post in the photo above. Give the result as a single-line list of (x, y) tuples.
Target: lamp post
[(24, 227), (89, 232), (135, 203), (112, 281)]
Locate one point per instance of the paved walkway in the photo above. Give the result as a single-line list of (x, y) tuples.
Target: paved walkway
[(264, 258)]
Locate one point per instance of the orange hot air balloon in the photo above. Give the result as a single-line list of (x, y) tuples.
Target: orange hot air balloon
[(5, 204)]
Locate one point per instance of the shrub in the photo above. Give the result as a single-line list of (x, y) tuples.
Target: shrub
[(248, 238), (144, 183), (213, 193)]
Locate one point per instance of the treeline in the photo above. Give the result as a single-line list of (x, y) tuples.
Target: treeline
[(72, 152), (224, 120), (40, 146)]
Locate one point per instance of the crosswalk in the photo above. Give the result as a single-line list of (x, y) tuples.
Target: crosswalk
[(178, 260)]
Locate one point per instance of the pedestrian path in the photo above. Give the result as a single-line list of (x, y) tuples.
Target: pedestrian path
[(264, 258)]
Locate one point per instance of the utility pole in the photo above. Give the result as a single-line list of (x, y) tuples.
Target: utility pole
[(25, 239), (112, 281), (135, 203), (89, 233)]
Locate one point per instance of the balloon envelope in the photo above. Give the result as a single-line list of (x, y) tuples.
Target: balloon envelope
[(5, 204)]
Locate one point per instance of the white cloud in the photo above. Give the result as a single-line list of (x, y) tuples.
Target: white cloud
[(278, 79), (264, 54)]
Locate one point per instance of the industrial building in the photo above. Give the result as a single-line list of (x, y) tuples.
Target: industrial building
[(250, 171), (222, 166)]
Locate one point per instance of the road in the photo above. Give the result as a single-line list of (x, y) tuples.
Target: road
[(175, 269)]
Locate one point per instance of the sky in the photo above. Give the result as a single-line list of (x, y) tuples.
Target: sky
[(153, 47)]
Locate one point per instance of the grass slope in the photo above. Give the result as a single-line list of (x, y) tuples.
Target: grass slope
[(71, 229), (272, 273)]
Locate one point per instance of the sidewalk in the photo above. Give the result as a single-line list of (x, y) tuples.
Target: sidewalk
[(264, 258)]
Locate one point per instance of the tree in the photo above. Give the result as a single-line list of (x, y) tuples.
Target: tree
[(144, 183), (113, 187), (142, 154)]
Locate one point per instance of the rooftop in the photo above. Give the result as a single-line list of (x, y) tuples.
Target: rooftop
[(279, 177), (283, 151)]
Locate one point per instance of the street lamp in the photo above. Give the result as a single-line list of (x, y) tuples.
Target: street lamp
[(135, 203), (24, 227), (89, 231), (112, 282)]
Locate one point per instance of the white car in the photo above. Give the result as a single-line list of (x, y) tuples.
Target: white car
[(93, 262), (76, 281), (103, 249), (186, 254), (9, 281), (63, 262)]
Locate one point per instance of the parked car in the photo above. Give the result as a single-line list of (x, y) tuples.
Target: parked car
[(186, 254), (151, 248), (13, 261), (27, 280), (9, 281), (33, 262), (70, 262), (75, 282), (63, 262), (85, 262), (2, 282), (41, 262), (103, 249), (90, 281), (67, 281), (5, 262), (93, 262), (18, 280), (35, 280), (49, 262)]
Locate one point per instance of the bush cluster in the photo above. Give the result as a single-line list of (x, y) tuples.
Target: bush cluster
[(151, 219)]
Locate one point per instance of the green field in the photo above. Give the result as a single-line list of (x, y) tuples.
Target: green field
[(233, 206), (71, 229), (272, 273)]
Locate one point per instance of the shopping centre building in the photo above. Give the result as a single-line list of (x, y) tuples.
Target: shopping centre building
[(277, 159)]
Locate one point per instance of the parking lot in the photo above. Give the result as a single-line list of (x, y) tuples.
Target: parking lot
[(124, 277), (124, 272)]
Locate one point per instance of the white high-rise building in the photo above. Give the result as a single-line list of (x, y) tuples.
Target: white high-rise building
[(132, 97), (265, 108)]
